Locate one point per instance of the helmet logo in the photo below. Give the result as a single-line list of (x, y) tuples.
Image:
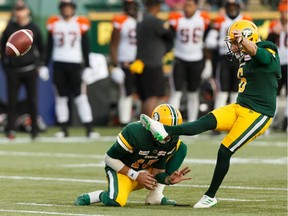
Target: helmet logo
[(247, 32), (156, 116)]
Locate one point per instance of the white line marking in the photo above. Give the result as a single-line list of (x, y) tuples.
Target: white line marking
[(47, 213), (239, 200), (28, 35), (105, 182), (278, 161), (53, 179), (43, 204), (102, 164)]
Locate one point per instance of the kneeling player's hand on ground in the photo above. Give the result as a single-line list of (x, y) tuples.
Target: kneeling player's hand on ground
[(179, 176)]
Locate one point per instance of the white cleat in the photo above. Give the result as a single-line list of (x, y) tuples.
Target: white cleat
[(206, 202), (156, 128), (93, 135)]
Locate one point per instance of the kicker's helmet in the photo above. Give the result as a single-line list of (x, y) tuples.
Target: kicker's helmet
[(249, 31), (167, 114)]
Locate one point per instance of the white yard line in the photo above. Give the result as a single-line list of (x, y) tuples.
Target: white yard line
[(33, 178), (277, 161), (239, 200), (46, 212), (43, 204)]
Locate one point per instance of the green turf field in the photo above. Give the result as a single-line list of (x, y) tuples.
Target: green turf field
[(44, 177)]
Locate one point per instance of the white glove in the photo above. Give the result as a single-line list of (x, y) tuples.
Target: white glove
[(117, 75), (86, 74), (207, 71), (44, 73)]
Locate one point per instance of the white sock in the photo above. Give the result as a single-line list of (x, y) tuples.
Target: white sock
[(220, 99), (61, 109), (125, 109), (84, 109), (155, 196), (175, 99), (95, 196), (192, 106)]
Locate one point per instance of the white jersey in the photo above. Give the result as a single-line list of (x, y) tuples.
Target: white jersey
[(189, 35), (67, 38), (283, 48), (281, 40), (127, 46), (221, 25)]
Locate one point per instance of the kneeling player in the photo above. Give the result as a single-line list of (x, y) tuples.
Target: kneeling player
[(137, 161)]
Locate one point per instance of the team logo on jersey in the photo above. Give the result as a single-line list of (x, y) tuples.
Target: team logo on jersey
[(247, 32), (143, 152)]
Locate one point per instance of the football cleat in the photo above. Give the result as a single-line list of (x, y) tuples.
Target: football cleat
[(82, 200), (156, 128), (167, 201), (93, 135), (206, 202)]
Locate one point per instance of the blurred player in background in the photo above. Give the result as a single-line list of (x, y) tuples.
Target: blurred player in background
[(190, 27), (226, 71), (153, 38), (279, 35), (122, 53), (68, 48), (138, 161), (23, 69), (258, 72)]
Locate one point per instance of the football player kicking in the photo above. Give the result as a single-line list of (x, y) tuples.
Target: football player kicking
[(250, 116), (137, 160)]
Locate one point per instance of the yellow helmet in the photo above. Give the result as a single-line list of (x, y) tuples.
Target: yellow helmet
[(249, 31), (167, 114)]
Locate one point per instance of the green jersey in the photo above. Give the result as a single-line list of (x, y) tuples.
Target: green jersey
[(137, 148), (259, 79)]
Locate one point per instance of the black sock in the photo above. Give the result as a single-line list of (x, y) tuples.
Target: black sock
[(207, 122), (221, 169)]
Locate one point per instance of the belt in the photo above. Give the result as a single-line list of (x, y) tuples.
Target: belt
[(23, 69)]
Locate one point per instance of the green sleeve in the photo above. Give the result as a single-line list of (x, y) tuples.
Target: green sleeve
[(263, 56), (117, 152)]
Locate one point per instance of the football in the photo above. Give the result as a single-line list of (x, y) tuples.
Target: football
[(19, 43)]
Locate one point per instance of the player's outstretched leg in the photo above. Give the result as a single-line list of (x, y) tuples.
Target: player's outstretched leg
[(206, 202), (156, 128)]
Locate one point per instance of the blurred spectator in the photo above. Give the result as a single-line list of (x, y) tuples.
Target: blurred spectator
[(278, 34), (68, 48), (175, 5), (226, 71), (22, 69), (272, 3), (122, 53), (190, 26), (153, 36)]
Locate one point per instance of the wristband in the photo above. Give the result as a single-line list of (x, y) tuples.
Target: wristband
[(132, 174)]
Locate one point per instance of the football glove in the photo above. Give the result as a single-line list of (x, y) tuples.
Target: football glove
[(137, 67), (207, 71), (43, 72), (117, 75)]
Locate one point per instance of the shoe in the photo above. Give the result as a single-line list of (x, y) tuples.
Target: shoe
[(11, 135), (61, 134), (93, 135), (206, 202), (82, 200), (167, 201), (156, 128)]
